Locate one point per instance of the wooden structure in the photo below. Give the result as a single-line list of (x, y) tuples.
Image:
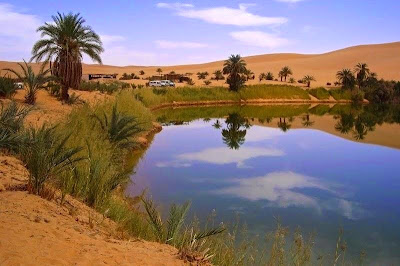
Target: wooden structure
[(88, 77)]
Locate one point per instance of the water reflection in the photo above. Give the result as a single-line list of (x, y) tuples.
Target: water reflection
[(353, 122), (235, 132)]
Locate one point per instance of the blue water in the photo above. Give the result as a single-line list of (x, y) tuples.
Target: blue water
[(306, 177)]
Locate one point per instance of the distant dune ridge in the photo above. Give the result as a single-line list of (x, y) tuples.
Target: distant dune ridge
[(384, 59)]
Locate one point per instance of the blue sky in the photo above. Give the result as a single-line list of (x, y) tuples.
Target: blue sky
[(168, 32)]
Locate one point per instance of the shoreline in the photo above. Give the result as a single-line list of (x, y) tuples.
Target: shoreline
[(246, 102)]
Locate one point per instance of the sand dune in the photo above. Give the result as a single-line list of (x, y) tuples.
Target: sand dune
[(383, 59)]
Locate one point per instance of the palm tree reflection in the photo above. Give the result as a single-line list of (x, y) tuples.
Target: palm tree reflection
[(235, 132)]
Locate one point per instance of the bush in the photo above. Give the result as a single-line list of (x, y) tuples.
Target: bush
[(46, 157), (357, 97), (207, 82), (269, 76), (319, 93), (381, 92), (340, 94), (7, 87), (104, 87), (328, 84), (300, 81), (292, 80)]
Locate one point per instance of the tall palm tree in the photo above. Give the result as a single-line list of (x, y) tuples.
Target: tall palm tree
[(63, 43), (32, 82), (234, 135), (235, 68), (362, 72), (346, 78), (286, 71), (307, 79)]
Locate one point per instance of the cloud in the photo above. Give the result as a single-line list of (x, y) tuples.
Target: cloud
[(257, 134), (17, 33), (224, 15), (283, 189), (289, 1), (225, 155), (109, 39), (259, 39), (174, 5), (181, 45)]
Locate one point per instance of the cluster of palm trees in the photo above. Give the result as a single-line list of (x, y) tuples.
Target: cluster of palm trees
[(285, 72), (361, 76), (63, 43)]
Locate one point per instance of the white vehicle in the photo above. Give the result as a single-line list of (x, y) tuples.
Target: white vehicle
[(19, 85), (155, 83), (167, 83)]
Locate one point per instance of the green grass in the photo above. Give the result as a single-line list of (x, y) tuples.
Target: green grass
[(320, 93), (155, 97), (339, 94), (104, 87)]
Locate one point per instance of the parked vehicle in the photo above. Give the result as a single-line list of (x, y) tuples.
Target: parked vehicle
[(167, 83), (19, 85), (155, 83)]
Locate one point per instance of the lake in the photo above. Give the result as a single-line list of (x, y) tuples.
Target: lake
[(318, 167)]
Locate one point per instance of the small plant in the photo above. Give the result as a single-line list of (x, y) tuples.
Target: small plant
[(74, 99), (218, 75), (141, 72), (7, 87), (140, 86), (328, 84), (292, 80), (262, 76), (207, 82), (190, 82), (169, 232), (33, 82), (269, 76), (120, 128), (46, 157), (202, 75)]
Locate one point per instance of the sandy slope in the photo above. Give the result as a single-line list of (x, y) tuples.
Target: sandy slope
[(381, 58), (34, 231)]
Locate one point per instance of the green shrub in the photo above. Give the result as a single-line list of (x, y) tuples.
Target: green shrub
[(7, 87), (340, 94), (104, 87), (320, 93), (46, 157)]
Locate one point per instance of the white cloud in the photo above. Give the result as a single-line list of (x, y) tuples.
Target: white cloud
[(175, 45), (224, 155), (174, 5), (283, 189), (261, 133), (259, 39), (109, 39), (289, 1), (17, 33), (224, 15)]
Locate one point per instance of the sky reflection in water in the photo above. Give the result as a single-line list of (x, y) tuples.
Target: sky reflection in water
[(304, 176)]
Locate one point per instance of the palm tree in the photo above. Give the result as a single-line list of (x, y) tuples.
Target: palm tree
[(346, 78), (217, 124), (218, 75), (269, 76), (286, 71), (306, 121), (235, 67), (362, 72), (249, 74), (67, 40), (283, 125), (234, 135), (307, 79), (281, 75), (32, 82), (262, 76), (159, 71)]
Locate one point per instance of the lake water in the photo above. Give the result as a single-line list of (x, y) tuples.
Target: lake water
[(317, 167)]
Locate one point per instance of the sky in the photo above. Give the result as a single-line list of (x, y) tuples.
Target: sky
[(146, 32)]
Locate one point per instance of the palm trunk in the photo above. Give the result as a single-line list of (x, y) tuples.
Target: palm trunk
[(64, 93)]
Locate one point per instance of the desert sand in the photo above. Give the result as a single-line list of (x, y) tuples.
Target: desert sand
[(384, 59)]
